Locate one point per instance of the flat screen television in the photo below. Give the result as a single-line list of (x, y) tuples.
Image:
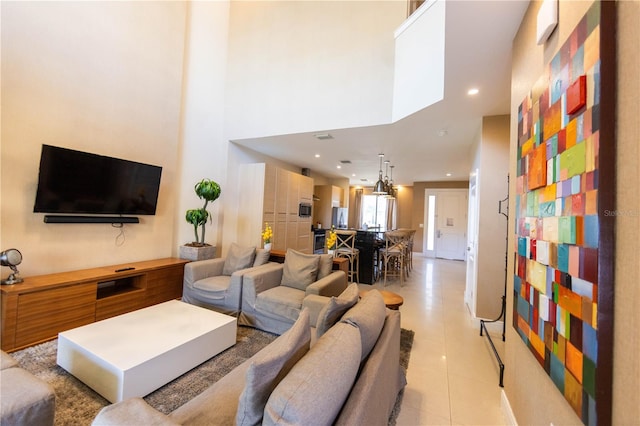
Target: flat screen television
[(72, 182)]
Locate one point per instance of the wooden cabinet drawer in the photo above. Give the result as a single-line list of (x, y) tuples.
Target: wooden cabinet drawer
[(164, 284), (42, 315)]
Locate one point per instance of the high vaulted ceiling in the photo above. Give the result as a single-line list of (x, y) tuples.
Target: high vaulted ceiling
[(435, 141)]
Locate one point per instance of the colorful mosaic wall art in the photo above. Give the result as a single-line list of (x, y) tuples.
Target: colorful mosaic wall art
[(557, 280)]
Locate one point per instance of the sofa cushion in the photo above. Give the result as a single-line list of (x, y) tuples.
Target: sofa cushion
[(238, 258), (336, 307), (268, 368), (300, 269), (315, 390), (131, 411), (325, 266), (368, 315), (26, 400), (280, 301), (262, 257), (7, 361), (217, 284)]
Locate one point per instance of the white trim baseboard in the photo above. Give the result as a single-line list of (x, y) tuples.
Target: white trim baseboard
[(506, 410)]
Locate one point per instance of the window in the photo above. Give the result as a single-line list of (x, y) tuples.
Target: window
[(374, 211), (431, 222)]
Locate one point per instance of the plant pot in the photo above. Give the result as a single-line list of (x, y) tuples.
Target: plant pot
[(331, 252), (267, 246), (197, 253)]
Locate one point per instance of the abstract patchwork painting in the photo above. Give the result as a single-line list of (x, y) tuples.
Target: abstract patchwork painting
[(565, 216)]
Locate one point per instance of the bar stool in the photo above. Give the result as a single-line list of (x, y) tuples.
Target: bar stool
[(408, 245), (393, 255), (345, 247)]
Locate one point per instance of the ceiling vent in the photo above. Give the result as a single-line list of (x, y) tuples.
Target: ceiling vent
[(323, 136), (345, 161)]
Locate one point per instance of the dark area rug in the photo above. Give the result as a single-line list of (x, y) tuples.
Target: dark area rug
[(406, 342), (77, 404)]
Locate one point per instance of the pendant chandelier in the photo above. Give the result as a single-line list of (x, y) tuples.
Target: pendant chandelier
[(391, 190), (386, 176), (379, 188)]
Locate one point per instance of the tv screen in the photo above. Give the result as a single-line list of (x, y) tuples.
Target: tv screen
[(79, 182)]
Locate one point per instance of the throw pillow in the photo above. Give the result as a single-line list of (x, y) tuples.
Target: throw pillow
[(315, 389), (336, 307), (262, 257), (300, 269), (238, 258), (268, 368), (368, 315), (326, 265)]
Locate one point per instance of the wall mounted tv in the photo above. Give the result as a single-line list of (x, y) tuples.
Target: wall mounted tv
[(76, 182)]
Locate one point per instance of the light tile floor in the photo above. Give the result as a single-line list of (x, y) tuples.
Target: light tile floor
[(453, 375)]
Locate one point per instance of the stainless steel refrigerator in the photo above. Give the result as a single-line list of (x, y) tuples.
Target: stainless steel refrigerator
[(340, 217)]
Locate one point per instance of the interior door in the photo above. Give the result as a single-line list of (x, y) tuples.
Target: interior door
[(472, 243), (451, 224)]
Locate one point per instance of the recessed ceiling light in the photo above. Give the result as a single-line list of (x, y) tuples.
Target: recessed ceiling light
[(443, 132), (473, 91), (338, 166), (448, 174), (353, 175), (317, 155), (323, 136)]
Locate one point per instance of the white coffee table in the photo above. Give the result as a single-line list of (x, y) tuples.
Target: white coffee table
[(138, 352)]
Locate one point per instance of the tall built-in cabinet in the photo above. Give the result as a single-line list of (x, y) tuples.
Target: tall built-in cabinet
[(273, 195), (327, 197)]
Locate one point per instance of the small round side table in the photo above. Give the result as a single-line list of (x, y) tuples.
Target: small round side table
[(391, 300)]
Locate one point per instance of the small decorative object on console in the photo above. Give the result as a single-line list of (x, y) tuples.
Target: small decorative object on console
[(199, 250), (209, 191), (331, 240), (11, 258), (267, 234)]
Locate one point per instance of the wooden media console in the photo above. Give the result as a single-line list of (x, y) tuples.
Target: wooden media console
[(42, 306)]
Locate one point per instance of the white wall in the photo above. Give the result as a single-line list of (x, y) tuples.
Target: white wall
[(492, 226), (103, 77), (297, 66), (204, 148), (490, 153), (419, 78)]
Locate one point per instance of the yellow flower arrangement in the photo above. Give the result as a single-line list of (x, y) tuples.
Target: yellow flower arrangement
[(331, 239), (267, 234)]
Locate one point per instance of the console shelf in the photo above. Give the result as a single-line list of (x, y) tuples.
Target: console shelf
[(119, 286), (42, 306)]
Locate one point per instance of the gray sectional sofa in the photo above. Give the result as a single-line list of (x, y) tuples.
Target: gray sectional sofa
[(351, 375), (24, 399)]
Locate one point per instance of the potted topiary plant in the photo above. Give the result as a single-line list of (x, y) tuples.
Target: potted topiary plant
[(208, 191)]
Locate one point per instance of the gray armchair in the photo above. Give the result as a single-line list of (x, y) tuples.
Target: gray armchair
[(217, 283), (272, 297)]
